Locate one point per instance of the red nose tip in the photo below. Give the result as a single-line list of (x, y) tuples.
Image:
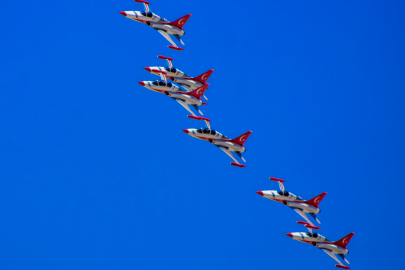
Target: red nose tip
[(289, 235), (147, 69), (204, 103), (260, 193), (185, 130), (142, 83), (123, 13)]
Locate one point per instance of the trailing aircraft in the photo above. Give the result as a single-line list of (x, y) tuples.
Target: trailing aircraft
[(329, 247)]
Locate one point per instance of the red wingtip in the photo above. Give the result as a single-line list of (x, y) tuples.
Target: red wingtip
[(277, 179), (175, 48), (342, 266), (142, 1), (260, 193), (165, 57), (198, 118), (186, 131), (302, 222), (238, 165), (289, 235), (142, 83), (123, 13), (147, 69), (204, 103)]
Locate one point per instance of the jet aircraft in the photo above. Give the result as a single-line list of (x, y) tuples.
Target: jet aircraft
[(161, 85), (293, 201), (329, 247), (227, 145), (180, 77), (164, 27)]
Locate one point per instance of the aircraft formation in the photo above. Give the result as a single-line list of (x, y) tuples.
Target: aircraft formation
[(188, 91)]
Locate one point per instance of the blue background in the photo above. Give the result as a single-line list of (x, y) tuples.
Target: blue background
[(96, 172)]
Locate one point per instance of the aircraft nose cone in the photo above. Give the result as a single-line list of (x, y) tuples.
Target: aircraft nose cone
[(185, 130), (141, 83), (260, 193), (123, 13), (147, 69), (289, 235)]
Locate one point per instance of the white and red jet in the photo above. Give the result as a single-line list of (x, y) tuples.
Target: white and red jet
[(163, 26), (161, 85), (227, 145), (331, 248), (293, 201), (180, 77)]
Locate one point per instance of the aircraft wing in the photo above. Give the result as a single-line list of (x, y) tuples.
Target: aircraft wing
[(167, 36), (228, 153), (332, 255), (302, 214), (184, 105)]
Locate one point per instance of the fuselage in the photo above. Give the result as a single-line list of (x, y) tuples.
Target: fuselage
[(206, 134), (280, 196), (308, 237), (160, 86), (170, 29), (215, 138), (170, 72), (332, 248), (188, 82), (143, 17), (186, 98)]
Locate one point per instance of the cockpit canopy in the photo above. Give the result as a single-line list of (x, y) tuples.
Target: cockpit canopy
[(314, 235), (147, 14), (162, 83), (210, 132), (283, 193), (172, 69)]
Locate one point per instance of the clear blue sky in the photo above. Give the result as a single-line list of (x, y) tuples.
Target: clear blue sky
[(96, 170)]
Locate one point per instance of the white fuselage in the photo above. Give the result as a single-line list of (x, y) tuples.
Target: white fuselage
[(231, 146), (161, 86), (186, 98), (170, 72), (280, 195), (187, 82), (206, 134), (304, 207), (170, 29), (332, 248), (144, 16), (308, 237)]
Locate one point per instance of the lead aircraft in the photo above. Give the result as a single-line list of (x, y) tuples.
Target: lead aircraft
[(163, 26), (227, 145), (180, 77), (293, 201), (329, 247)]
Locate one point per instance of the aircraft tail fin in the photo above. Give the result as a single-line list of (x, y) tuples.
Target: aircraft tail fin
[(345, 240), (199, 91), (317, 200), (181, 22), (203, 77), (242, 138)]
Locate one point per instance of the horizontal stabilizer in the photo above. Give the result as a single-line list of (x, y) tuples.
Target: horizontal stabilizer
[(277, 179)]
